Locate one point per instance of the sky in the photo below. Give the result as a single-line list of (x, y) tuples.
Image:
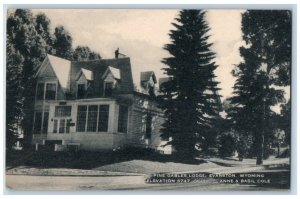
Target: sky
[(141, 35)]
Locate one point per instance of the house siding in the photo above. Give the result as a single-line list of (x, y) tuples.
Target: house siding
[(139, 106), (139, 111), (91, 141)]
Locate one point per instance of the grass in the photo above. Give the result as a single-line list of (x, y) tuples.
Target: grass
[(132, 160), (87, 160)]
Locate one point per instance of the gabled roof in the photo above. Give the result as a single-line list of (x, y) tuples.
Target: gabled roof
[(145, 76), (114, 71), (88, 74), (62, 69), (99, 67), (163, 80), (67, 72)]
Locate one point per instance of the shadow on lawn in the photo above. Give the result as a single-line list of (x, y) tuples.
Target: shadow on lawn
[(223, 164), (87, 160)]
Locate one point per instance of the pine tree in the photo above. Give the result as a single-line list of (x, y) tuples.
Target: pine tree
[(265, 66), (190, 99)]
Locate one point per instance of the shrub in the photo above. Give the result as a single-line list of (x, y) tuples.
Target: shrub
[(227, 144)]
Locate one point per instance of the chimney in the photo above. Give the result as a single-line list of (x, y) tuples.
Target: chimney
[(117, 53)]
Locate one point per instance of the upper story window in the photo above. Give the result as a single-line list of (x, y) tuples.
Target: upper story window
[(108, 88), (80, 91), (50, 91), (151, 91), (46, 91)]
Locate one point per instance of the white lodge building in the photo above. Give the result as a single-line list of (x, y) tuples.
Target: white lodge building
[(94, 105)]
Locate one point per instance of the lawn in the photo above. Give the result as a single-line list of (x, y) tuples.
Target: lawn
[(131, 161)]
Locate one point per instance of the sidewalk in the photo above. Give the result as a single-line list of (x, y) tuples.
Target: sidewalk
[(250, 166), (64, 172)]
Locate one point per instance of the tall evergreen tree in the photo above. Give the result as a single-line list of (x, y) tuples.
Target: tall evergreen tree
[(267, 59), (190, 97)]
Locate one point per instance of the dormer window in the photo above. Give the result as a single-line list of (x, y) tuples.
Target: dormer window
[(84, 79), (151, 91), (110, 78), (148, 81), (80, 91), (108, 88)]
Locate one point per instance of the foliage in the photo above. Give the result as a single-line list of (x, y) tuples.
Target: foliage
[(28, 44), (29, 38), (285, 121), (63, 43), (42, 26), (14, 100), (266, 65), (84, 53), (190, 98), (227, 144)]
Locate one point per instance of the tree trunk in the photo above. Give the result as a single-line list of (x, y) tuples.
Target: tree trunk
[(260, 150)]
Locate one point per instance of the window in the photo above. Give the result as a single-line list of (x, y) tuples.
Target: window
[(151, 91), (48, 94), (148, 126), (45, 122), (62, 126), (41, 123), (37, 123), (80, 91), (123, 118), (40, 91), (55, 126), (92, 118), (103, 118), (108, 87), (63, 111), (81, 118), (50, 91), (68, 126)]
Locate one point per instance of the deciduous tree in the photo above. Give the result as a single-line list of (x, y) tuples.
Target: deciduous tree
[(266, 65), (84, 53)]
